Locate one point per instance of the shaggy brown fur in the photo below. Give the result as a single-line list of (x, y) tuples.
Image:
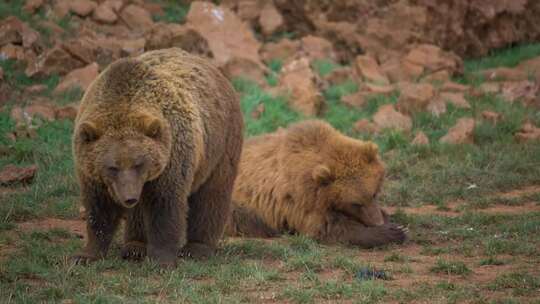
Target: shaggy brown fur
[(157, 140), (310, 179)]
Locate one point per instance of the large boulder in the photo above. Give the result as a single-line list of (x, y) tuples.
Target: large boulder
[(299, 81), (227, 35)]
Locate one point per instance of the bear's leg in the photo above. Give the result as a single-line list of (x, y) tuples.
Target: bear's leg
[(347, 231), (134, 238), (209, 209), (102, 220), (164, 213)]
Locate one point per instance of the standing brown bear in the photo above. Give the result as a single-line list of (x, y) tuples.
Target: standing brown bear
[(313, 180), (157, 140)]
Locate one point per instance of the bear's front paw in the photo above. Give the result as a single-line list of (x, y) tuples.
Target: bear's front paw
[(395, 233), (196, 251), (135, 251), (82, 259)]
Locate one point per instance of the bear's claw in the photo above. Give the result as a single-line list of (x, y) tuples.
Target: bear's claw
[(133, 251)]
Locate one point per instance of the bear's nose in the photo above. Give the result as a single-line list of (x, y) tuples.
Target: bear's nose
[(130, 202)]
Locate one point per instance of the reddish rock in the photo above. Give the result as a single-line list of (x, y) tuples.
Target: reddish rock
[(240, 67), (408, 71), (32, 5), (365, 126), (78, 78), (525, 91), (82, 8), (270, 19), (299, 81), (227, 36), (388, 118), (248, 10), (527, 133), (45, 111), (415, 96), (378, 89), (450, 86), (317, 48), (60, 8), (355, 100), (136, 18), (339, 75), (369, 69), (437, 77), (420, 139), (67, 112), (105, 13), (433, 59), (461, 133), (54, 61), (12, 174), (457, 99), (14, 31), (491, 116), (13, 52), (281, 50)]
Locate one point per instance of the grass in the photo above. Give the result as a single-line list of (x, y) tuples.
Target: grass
[(173, 11), (450, 267), (34, 265)]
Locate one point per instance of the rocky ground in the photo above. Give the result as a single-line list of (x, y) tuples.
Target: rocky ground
[(456, 119)]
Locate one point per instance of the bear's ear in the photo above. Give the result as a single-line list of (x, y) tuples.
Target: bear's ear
[(88, 132), (322, 175), (151, 126), (370, 151)]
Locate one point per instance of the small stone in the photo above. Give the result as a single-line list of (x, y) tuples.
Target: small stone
[(491, 116), (420, 139), (67, 112), (415, 97), (369, 69), (299, 81), (12, 174), (78, 78), (355, 100), (82, 8), (461, 133), (457, 99), (104, 13), (270, 19), (388, 118), (365, 126)]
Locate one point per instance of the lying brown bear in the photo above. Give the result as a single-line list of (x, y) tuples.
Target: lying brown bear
[(157, 140), (312, 180)]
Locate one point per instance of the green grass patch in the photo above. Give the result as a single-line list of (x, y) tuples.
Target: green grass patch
[(507, 57), (173, 11), (521, 283)]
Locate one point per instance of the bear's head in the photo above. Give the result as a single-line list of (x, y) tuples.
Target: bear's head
[(349, 179), (123, 156)]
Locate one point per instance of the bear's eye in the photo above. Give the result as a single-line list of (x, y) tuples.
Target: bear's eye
[(138, 166), (113, 170)]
